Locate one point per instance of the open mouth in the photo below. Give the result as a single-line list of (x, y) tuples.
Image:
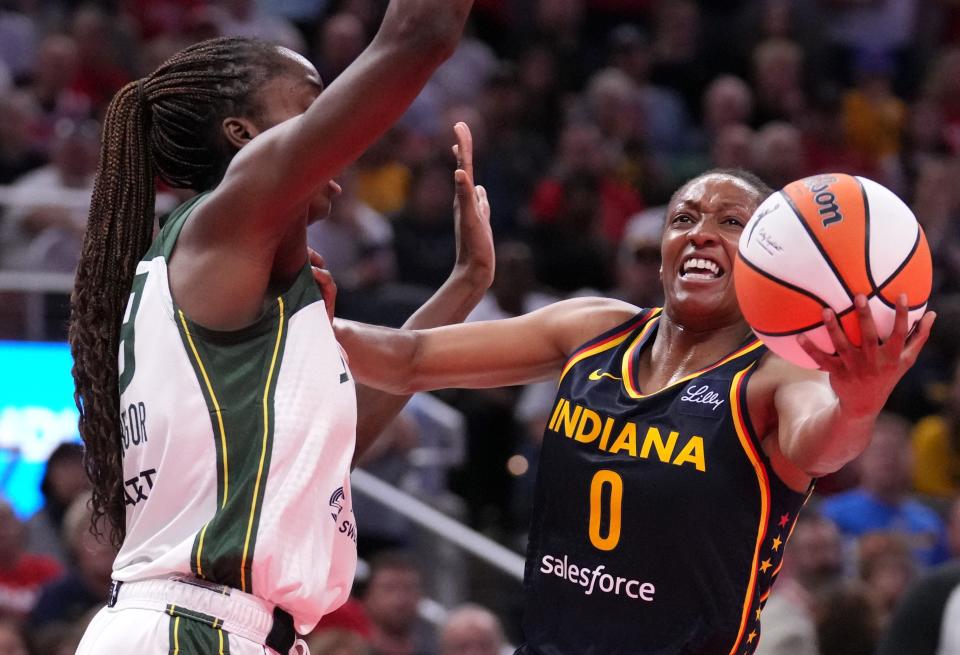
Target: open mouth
[(699, 268)]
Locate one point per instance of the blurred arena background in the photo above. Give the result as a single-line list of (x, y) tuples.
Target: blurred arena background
[(586, 115)]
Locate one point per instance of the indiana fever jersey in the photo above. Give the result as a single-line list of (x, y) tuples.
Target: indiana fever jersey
[(658, 524), (237, 445)]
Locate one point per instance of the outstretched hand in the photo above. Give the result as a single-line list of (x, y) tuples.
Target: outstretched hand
[(475, 254), (324, 280), (864, 376)]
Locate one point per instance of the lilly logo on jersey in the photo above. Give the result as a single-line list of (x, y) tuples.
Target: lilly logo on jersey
[(612, 435), (702, 395)]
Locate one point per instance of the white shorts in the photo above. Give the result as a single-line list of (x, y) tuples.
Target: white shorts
[(176, 616)]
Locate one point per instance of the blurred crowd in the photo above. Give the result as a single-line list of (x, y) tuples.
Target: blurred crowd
[(586, 115)]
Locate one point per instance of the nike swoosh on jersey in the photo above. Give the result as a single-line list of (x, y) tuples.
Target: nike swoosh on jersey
[(598, 374)]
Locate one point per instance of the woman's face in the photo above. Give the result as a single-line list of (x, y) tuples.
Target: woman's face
[(287, 96), (704, 222)]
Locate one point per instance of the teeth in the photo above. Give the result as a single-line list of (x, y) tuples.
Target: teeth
[(702, 264)]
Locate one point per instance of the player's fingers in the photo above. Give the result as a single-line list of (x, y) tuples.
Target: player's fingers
[(464, 188), (839, 338), (824, 361), (316, 259), (328, 288), (869, 341), (898, 338), (464, 148), (483, 203), (919, 337)]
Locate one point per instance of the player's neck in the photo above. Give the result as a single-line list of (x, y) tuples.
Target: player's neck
[(678, 351)]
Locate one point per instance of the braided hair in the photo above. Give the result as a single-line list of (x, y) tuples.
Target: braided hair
[(167, 124)]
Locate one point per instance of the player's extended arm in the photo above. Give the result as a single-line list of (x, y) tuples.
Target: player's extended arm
[(477, 355), (282, 168), (826, 417), (471, 277)]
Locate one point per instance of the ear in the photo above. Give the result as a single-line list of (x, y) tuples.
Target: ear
[(239, 131)]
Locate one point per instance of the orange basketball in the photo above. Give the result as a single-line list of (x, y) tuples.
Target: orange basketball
[(817, 243)]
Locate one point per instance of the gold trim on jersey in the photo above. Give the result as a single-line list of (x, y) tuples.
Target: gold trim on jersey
[(763, 481), (608, 343), (263, 447), (223, 433), (629, 375)]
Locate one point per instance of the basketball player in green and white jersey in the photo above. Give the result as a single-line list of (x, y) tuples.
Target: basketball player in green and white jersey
[(218, 414)]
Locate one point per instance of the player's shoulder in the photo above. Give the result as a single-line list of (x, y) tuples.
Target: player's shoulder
[(579, 320)]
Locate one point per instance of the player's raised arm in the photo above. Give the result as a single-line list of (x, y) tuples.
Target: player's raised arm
[(506, 352), (279, 170)]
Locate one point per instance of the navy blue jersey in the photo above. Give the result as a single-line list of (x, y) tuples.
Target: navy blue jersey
[(659, 524)]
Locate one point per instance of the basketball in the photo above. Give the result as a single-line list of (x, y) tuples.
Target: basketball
[(819, 242)]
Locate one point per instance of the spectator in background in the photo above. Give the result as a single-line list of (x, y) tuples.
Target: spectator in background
[(21, 573), (881, 501), (936, 202), (383, 180), (926, 620), (886, 568), (874, 117), (811, 567), (51, 85), (19, 153), (87, 581), (471, 630), (677, 57), (18, 42), (337, 642), (728, 100), (42, 236), (103, 66), (778, 156), (340, 39), (638, 260), (64, 480), (583, 158), (733, 147), (511, 157), (356, 240), (391, 598), (943, 90), (846, 622), (665, 122), (778, 81), (244, 18), (424, 241), (935, 443)]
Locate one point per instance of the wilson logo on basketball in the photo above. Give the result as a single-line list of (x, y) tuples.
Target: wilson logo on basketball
[(827, 202)]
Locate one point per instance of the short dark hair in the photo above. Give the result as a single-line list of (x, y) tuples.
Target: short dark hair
[(762, 189)]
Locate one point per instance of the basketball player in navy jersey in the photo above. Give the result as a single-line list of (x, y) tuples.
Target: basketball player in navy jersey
[(679, 450)]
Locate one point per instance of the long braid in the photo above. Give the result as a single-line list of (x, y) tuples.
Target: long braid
[(167, 124)]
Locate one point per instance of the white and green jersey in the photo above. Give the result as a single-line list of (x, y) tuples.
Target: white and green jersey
[(237, 445)]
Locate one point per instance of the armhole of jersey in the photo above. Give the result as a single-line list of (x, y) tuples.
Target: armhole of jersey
[(772, 475), (610, 338)]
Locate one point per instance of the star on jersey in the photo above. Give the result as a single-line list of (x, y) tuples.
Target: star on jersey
[(599, 374), (776, 543), (784, 519), (751, 636), (766, 564)]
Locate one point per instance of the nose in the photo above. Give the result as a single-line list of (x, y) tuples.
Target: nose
[(703, 233)]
